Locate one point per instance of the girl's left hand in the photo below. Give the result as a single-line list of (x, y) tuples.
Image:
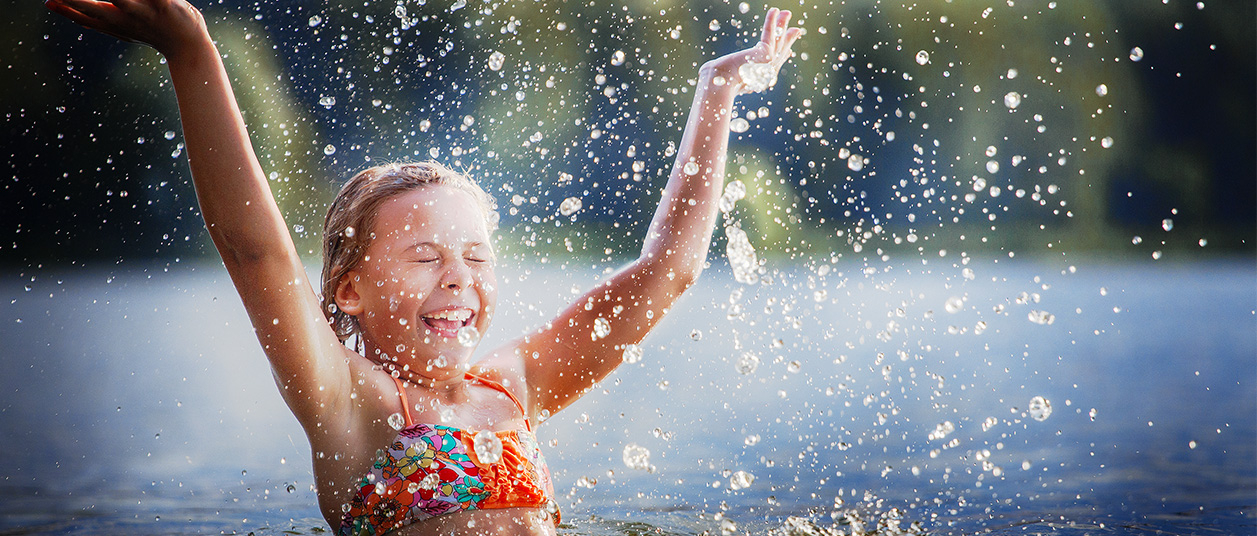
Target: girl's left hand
[(755, 69)]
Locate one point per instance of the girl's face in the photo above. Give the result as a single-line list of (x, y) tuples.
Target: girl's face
[(428, 273)]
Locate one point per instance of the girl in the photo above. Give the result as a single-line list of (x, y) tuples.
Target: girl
[(445, 444)]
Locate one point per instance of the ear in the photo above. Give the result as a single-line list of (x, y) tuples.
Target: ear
[(347, 297)]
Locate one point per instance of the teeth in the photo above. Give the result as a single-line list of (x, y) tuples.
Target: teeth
[(458, 315)]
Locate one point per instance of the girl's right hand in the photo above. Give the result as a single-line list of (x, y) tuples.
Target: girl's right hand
[(166, 25), (755, 69)]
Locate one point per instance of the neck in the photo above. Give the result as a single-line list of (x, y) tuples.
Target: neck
[(441, 377)]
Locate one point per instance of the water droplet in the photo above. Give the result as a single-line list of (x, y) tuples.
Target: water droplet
[(586, 482), (743, 7), (520, 96), (617, 58), (942, 430), (1167, 224), (602, 328), (690, 168), (739, 125), (1093, 414), (315, 21), (751, 440), (170, 134), (329, 149), (741, 255), (458, 4), (496, 59), (1106, 142), (954, 304), (632, 353), (396, 421), (430, 482), (1041, 317), (794, 367), (747, 363), (757, 77), (1102, 90), (1012, 100), (468, 336), (1136, 54), (855, 162), (570, 206), (741, 480), (1203, 242), (992, 166), (488, 446), (1040, 409), (400, 12), (290, 488), (734, 191), (636, 457), (923, 57), (713, 25), (349, 232)]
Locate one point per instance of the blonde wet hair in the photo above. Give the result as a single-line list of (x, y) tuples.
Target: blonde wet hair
[(350, 218)]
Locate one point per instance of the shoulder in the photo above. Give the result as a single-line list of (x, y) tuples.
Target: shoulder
[(504, 365)]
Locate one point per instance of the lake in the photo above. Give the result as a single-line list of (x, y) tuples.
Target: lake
[(940, 396)]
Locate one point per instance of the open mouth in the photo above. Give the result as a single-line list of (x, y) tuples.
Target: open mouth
[(447, 322)]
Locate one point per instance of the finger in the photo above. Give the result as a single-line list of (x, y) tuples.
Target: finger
[(791, 36), (777, 24), (127, 6), (76, 16), (60, 7), (783, 19), (769, 24), (103, 14)]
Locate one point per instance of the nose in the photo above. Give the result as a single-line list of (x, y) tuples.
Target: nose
[(457, 276)]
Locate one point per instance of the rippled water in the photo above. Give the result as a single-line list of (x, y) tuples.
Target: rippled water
[(137, 401)]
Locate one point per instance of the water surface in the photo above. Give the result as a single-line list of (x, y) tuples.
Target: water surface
[(137, 401)]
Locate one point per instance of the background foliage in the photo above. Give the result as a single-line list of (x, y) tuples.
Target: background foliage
[(591, 97)]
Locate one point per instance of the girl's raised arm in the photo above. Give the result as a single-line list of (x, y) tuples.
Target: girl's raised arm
[(587, 340), (235, 199)]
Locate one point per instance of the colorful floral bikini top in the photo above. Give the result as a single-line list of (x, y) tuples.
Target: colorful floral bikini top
[(430, 470)]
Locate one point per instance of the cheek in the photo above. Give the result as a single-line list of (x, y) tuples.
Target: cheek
[(488, 286)]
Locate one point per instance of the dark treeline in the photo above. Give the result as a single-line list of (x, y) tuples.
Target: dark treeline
[(1118, 128)]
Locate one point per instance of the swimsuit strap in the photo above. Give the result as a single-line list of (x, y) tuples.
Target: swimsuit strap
[(499, 388), (401, 393)]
